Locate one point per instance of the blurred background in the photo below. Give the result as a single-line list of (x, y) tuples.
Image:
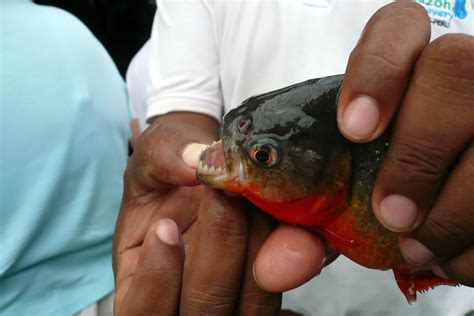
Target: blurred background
[(122, 26)]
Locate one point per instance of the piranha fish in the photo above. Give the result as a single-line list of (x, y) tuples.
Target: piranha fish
[(283, 151)]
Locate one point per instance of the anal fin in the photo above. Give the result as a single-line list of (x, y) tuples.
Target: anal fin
[(411, 282)]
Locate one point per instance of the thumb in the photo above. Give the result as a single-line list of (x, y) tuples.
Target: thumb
[(168, 152), (290, 257), (156, 285)]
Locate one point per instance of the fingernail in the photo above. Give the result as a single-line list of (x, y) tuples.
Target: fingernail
[(439, 272), (323, 263), (192, 153), (415, 252), (167, 231), (398, 213), (361, 117), (255, 277)]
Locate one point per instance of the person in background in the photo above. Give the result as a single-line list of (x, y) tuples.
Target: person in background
[(122, 26), (137, 82), (206, 58), (64, 130)]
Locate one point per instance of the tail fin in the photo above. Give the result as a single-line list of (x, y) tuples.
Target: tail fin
[(411, 282)]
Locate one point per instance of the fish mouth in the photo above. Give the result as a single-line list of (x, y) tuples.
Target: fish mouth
[(216, 171)]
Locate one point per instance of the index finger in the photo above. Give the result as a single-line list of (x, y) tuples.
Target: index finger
[(379, 69)]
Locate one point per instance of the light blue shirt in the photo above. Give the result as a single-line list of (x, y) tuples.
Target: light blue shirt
[(63, 149)]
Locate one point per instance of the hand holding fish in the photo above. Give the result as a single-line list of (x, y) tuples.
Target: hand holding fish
[(425, 187), (283, 152), (165, 213)]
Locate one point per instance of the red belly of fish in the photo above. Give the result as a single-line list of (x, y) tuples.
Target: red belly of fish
[(376, 250)]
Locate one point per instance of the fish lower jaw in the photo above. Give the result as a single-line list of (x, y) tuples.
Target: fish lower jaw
[(205, 170)]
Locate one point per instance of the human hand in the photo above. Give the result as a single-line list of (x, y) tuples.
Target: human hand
[(164, 212), (425, 187)]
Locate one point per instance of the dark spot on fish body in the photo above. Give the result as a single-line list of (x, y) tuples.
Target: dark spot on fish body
[(367, 160)]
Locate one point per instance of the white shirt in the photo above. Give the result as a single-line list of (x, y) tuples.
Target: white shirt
[(209, 56), (137, 80)]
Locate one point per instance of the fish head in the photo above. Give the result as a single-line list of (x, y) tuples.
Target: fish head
[(275, 148)]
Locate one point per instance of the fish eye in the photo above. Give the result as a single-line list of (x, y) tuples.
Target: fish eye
[(244, 125), (264, 154)]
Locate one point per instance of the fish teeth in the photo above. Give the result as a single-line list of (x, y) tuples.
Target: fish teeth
[(206, 170)]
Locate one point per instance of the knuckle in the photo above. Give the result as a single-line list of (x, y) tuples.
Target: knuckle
[(230, 225), (225, 219), (259, 303), (460, 267), (213, 300), (451, 56), (383, 59), (146, 138), (409, 11), (446, 228), (154, 145), (167, 272), (153, 139), (418, 160), (144, 150), (444, 73), (383, 47), (452, 48)]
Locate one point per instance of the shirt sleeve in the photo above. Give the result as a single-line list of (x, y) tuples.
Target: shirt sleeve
[(137, 80), (184, 63)]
